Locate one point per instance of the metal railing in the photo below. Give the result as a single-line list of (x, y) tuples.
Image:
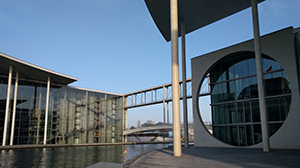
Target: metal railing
[(160, 94)]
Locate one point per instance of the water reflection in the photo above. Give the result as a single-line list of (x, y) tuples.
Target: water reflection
[(71, 156)]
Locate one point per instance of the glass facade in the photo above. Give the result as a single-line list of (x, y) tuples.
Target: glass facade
[(234, 98), (75, 115)]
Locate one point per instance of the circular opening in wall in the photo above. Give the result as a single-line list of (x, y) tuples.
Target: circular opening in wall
[(231, 111)]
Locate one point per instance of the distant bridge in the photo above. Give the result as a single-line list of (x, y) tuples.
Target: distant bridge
[(158, 127)]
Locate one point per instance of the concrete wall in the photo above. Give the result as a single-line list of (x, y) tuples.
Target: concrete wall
[(280, 46)]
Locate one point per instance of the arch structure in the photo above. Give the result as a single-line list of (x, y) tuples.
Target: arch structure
[(234, 95)]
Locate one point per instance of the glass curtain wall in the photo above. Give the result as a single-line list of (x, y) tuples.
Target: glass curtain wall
[(30, 112), (75, 116), (234, 98), (80, 116), (3, 93)]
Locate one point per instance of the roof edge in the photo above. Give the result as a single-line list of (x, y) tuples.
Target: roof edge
[(37, 67)]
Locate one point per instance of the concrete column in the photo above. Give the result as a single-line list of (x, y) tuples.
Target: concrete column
[(168, 117), (46, 111), (164, 106), (168, 106), (175, 78), (7, 106), (39, 111), (124, 138), (87, 118), (14, 110), (105, 119), (260, 84), (184, 100)]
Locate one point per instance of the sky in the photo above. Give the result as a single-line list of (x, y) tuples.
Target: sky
[(114, 45)]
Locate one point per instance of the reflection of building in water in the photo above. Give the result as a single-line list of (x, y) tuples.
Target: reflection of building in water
[(75, 115), (234, 93)]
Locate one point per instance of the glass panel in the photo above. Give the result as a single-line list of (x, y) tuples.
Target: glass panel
[(255, 111), (230, 73), (217, 94), (215, 115), (230, 113), (247, 111), (286, 84), (253, 87), (218, 115), (273, 84), (225, 91), (257, 133), (229, 91), (274, 127), (242, 135), (242, 89), (227, 70), (287, 101), (219, 132), (215, 74), (275, 108), (249, 135), (216, 132), (240, 112), (252, 66), (234, 135), (241, 69), (270, 65)]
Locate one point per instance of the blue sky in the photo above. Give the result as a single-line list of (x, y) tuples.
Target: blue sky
[(114, 45)]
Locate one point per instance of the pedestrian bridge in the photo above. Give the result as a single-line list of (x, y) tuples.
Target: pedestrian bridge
[(151, 128)]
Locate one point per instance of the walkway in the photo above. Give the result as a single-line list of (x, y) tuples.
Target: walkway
[(217, 157)]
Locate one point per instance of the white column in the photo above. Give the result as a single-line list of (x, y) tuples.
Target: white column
[(7, 106), (14, 110), (46, 111), (260, 84), (124, 118), (184, 100), (175, 78)]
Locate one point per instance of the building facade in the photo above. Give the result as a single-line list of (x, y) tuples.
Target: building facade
[(37, 107), (234, 104)]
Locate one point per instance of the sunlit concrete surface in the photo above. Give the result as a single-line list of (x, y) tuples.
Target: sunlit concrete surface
[(106, 165), (219, 157)]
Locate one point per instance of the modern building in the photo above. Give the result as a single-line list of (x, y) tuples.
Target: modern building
[(234, 93), (38, 107)]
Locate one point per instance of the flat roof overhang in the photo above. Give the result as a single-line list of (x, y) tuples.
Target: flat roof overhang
[(32, 72), (196, 13)]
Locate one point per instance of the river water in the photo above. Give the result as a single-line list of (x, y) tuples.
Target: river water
[(72, 157)]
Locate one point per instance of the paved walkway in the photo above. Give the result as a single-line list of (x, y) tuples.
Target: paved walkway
[(217, 157), (106, 165)]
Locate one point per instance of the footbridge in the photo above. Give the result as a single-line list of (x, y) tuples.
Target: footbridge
[(161, 94), (152, 128)]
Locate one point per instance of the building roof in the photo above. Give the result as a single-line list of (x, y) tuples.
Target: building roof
[(32, 72), (196, 13)]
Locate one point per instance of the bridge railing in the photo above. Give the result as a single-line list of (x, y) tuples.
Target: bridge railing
[(161, 94)]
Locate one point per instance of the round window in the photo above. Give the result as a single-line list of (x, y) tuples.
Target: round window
[(235, 115)]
